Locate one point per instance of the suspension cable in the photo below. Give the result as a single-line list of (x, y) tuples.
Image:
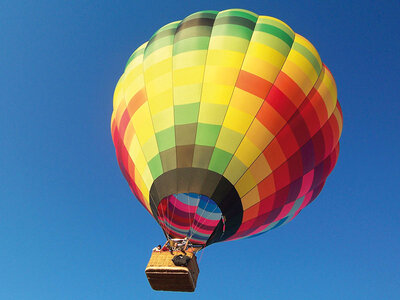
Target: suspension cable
[(208, 200), (209, 214), (162, 218)]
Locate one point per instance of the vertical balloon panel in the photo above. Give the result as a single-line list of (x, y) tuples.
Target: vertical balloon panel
[(190, 53)]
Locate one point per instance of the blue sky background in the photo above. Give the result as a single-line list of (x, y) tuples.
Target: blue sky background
[(69, 225)]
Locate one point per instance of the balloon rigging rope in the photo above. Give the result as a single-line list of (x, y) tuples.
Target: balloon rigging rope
[(190, 215), (191, 231), (162, 218), (209, 214), (208, 199), (167, 211), (173, 210), (201, 256), (194, 215)]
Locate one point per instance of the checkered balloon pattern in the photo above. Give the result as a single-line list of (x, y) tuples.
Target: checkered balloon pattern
[(225, 125)]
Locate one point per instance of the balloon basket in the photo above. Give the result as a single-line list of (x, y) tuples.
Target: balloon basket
[(164, 275)]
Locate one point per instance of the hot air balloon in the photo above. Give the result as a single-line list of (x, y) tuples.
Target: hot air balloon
[(225, 125)]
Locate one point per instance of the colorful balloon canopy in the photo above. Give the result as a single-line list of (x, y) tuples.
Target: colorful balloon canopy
[(226, 125)]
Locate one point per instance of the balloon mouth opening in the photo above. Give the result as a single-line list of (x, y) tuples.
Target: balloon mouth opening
[(189, 215)]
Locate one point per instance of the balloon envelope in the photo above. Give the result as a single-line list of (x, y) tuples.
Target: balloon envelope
[(226, 125)]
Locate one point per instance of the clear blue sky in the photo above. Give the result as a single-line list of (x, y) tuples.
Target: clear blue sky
[(69, 225)]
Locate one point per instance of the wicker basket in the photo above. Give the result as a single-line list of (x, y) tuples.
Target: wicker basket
[(163, 275)]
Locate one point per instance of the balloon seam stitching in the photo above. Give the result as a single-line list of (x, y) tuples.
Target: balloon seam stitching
[(255, 117), (288, 121), (151, 115), (202, 83), (233, 90), (333, 149)]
